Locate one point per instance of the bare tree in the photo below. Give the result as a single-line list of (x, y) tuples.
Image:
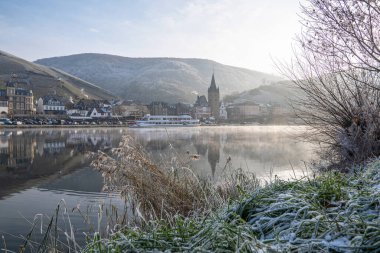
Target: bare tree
[(337, 66), (344, 30)]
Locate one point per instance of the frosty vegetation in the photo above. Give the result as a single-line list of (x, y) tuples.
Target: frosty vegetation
[(333, 212)]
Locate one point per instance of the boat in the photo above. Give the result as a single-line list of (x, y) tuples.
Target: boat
[(166, 121)]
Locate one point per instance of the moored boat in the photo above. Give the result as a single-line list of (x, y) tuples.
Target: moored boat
[(166, 121)]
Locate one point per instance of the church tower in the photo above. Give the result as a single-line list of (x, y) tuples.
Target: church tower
[(213, 98)]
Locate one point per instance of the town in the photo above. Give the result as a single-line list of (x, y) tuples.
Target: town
[(19, 106)]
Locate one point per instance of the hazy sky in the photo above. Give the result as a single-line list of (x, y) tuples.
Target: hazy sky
[(244, 33)]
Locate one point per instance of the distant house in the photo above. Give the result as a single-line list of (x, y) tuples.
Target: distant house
[(201, 109), (158, 108), (90, 108), (244, 111), (130, 109), (89, 104), (182, 109), (77, 114), (97, 113), (248, 111), (51, 105)]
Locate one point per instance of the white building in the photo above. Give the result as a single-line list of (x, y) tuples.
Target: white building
[(222, 112), (50, 105), (40, 106), (99, 113), (3, 108)]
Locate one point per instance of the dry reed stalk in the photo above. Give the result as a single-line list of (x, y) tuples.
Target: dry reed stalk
[(160, 191)]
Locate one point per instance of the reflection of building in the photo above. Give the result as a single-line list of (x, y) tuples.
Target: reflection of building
[(4, 150), (84, 140), (20, 150), (200, 146), (54, 147), (213, 155)]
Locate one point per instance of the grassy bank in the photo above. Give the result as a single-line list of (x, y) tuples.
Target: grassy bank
[(333, 212)]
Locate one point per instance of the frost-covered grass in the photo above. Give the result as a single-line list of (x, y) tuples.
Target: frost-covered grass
[(333, 212)]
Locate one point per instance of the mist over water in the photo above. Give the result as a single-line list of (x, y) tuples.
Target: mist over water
[(258, 149), (39, 168)]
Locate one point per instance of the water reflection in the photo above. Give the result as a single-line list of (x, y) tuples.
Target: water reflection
[(37, 154), (259, 149), (38, 168)]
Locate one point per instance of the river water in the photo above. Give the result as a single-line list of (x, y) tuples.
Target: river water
[(41, 168)]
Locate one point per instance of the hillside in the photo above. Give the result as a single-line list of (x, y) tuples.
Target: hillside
[(279, 93), (153, 79), (43, 80)]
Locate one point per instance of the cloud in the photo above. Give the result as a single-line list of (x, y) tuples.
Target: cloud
[(126, 23), (94, 30)]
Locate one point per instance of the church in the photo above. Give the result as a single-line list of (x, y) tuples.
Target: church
[(206, 108)]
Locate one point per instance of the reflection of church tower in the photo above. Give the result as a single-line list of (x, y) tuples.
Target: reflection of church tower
[(213, 98), (200, 146), (213, 152)]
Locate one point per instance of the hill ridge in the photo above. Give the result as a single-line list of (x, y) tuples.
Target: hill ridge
[(44, 80), (148, 79)]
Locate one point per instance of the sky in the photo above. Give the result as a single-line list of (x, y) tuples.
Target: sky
[(243, 33)]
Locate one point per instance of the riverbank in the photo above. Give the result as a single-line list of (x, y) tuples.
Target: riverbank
[(57, 126), (333, 212), (126, 125)]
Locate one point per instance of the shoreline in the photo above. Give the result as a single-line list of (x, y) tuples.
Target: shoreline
[(127, 126)]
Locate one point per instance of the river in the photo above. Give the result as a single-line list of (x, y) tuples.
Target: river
[(41, 168)]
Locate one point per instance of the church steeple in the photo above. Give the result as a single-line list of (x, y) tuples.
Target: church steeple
[(213, 84), (213, 98)]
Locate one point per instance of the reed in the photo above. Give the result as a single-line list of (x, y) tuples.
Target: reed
[(162, 191)]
